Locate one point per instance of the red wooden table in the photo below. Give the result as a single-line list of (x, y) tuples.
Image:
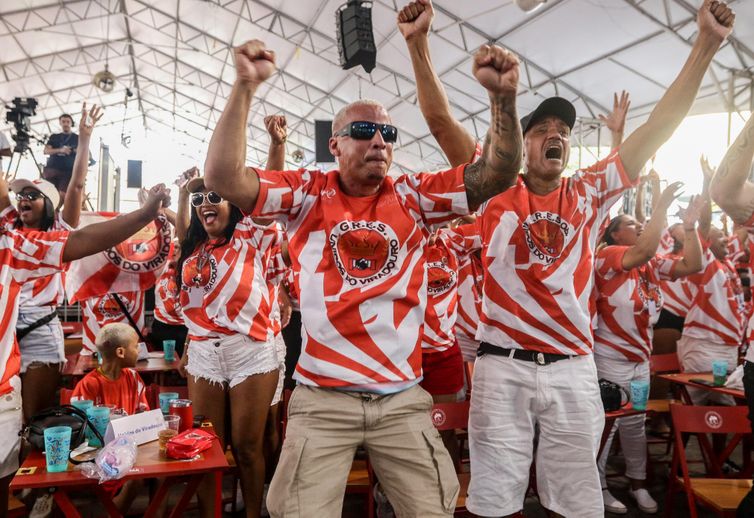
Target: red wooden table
[(683, 379), (33, 474)]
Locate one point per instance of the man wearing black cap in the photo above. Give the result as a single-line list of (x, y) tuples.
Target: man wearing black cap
[(535, 367)]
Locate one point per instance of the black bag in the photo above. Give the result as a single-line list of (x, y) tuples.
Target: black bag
[(64, 415), (612, 395)]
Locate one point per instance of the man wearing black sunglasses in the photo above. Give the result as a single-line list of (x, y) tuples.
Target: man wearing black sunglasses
[(357, 239)]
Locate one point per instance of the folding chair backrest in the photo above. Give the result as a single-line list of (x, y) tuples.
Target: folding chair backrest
[(664, 363), (703, 420), (710, 419), (451, 416)]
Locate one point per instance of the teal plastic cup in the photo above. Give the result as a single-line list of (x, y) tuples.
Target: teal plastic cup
[(83, 404), (719, 372), (57, 448), (100, 417), (639, 394), (169, 347), (165, 399)]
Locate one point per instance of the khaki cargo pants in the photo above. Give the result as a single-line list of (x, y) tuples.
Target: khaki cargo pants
[(324, 429)]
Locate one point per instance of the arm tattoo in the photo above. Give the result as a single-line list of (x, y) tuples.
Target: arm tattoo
[(501, 159)]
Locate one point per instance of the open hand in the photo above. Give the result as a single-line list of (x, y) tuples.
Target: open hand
[(89, 119), (616, 120), (157, 198)]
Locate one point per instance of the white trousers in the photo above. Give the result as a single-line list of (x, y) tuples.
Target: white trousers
[(510, 400), (696, 355), (633, 439)]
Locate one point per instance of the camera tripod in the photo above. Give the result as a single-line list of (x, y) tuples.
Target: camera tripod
[(19, 152)]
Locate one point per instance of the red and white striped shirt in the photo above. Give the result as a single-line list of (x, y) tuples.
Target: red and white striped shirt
[(628, 303), (43, 291), (361, 270), (466, 242), (442, 296), (538, 257), (98, 312), (167, 307), (223, 288), (24, 256), (717, 311)]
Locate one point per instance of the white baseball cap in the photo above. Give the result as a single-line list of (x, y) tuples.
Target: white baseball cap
[(43, 186)]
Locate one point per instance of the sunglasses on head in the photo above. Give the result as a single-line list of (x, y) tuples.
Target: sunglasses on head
[(197, 198), (31, 196), (365, 130)]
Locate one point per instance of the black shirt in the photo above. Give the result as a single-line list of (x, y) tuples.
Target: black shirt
[(63, 162)]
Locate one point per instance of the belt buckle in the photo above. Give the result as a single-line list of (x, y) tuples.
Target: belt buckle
[(540, 359)]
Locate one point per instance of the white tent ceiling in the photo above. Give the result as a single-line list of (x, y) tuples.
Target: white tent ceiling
[(175, 55)]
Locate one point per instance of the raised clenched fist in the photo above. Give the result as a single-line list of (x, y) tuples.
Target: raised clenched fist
[(496, 69), (715, 19), (416, 18), (254, 62)]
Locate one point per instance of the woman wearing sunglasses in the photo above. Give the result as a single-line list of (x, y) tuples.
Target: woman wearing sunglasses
[(226, 304), (38, 331)]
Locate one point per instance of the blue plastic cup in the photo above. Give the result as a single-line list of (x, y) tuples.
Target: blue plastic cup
[(719, 372), (100, 417), (169, 347), (83, 404), (57, 448), (165, 399), (639, 394)]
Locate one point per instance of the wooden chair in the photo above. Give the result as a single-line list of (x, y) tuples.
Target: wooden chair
[(16, 508), (721, 495), (454, 416), (659, 408)]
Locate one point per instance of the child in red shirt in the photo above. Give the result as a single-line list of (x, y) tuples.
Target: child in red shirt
[(115, 382)]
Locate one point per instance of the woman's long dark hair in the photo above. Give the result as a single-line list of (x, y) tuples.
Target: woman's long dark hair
[(48, 219), (196, 235), (607, 237)]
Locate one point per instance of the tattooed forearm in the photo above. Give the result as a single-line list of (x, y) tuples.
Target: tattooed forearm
[(729, 186), (501, 157)]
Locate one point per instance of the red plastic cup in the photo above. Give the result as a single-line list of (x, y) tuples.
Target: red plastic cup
[(184, 409)]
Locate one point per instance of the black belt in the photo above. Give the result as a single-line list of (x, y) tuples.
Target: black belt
[(521, 354)]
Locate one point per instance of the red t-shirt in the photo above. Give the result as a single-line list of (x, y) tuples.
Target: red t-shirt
[(127, 392)]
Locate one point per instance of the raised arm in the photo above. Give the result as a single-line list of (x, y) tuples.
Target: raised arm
[(278, 129), (4, 193), (101, 236), (615, 121), (497, 70), (691, 262), (653, 179), (74, 196), (183, 215), (647, 243), (715, 21), (225, 171), (705, 212), (730, 188), (414, 22)]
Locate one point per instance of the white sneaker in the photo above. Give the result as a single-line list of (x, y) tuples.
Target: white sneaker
[(612, 504), (42, 507), (646, 503)]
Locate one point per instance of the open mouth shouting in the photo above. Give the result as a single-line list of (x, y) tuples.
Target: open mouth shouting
[(554, 150), (208, 215)]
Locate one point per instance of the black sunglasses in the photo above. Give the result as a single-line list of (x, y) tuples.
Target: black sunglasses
[(365, 130), (31, 196), (197, 198)]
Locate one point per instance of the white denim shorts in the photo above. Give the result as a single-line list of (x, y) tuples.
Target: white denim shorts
[(45, 344), (231, 359), (280, 349), (10, 425)]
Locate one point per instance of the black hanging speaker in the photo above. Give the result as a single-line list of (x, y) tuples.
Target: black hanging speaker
[(322, 134), (355, 37), (134, 174)]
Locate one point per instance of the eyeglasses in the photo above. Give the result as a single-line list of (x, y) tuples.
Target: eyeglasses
[(197, 198), (31, 196), (365, 130)]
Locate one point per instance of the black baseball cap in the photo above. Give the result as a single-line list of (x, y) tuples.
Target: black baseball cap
[(555, 106)]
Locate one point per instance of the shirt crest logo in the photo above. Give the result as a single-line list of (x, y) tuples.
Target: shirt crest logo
[(364, 251), (546, 235), (440, 278)]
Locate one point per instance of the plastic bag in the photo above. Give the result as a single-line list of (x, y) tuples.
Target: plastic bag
[(113, 461), (736, 379), (190, 443)]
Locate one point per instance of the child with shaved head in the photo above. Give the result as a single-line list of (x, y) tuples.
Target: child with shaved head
[(115, 382)]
